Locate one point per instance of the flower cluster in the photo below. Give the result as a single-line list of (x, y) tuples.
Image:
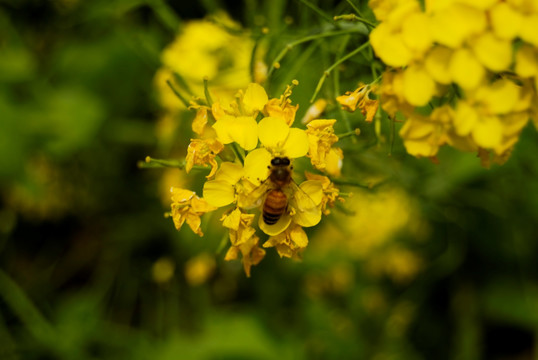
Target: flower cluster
[(475, 61), (256, 130)]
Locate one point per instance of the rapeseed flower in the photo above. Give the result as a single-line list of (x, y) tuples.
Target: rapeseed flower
[(258, 130), (464, 50)]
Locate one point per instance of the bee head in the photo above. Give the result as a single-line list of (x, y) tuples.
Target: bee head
[(280, 161)]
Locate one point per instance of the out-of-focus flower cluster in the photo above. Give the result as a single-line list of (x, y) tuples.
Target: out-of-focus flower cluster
[(474, 62), (238, 140)]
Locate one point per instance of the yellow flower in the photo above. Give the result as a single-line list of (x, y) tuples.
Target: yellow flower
[(237, 122), (203, 152), (330, 192), (221, 191), (282, 108), (423, 136), (321, 137), (200, 120), (199, 269), (186, 206), (289, 243), (240, 227), (359, 98), (251, 253)]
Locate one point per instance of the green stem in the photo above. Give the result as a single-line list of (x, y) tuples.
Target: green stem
[(331, 68), (19, 303), (392, 134), (206, 92), (180, 97), (292, 44), (353, 17), (355, 132), (351, 182), (150, 163), (320, 12)]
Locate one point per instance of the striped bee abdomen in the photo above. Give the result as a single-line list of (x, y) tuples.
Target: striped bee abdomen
[(274, 206)]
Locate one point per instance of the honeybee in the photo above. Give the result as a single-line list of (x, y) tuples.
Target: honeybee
[(282, 193), (276, 201)]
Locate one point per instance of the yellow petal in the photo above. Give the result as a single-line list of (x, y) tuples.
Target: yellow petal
[(296, 144), (232, 220), (465, 118), (218, 193), (456, 23), (229, 172), (200, 120), (488, 132), (275, 229), (416, 32), (389, 46), (310, 194), (244, 131), (526, 61), (256, 165), (273, 131), (419, 87), (437, 62), (222, 127), (492, 52), (500, 97), (333, 161), (528, 31), (194, 223), (181, 195), (505, 21), (299, 237), (201, 206), (465, 69), (255, 98), (479, 4)]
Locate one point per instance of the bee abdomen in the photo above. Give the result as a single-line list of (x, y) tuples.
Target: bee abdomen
[(274, 206)]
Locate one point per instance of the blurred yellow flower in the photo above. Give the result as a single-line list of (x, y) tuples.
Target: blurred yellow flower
[(321, 138), (162, 270), (251, 253), (199, 269)]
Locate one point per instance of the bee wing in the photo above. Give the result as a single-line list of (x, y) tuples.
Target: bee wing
[(252, 195), (306, 201)]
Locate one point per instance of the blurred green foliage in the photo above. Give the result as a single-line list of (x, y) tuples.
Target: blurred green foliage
[(81, 227)]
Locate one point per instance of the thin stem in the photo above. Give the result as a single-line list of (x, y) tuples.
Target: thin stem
[(355, 132), (331, 68), (28, 313), (180, 97), (252, 64), (292, 44), (353, 17), (206, 92), (150, 163), (392, 134), (351, 182), (320, 12)]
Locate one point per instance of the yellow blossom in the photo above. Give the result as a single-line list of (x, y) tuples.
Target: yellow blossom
[(186, 206), (251, 253), (330, 192), (237, 121), (240, 225), (359, 98), (200, 120), (423, 136), (321, 137), (289, 243), (199, 269), (282, 108), (203, 152)]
